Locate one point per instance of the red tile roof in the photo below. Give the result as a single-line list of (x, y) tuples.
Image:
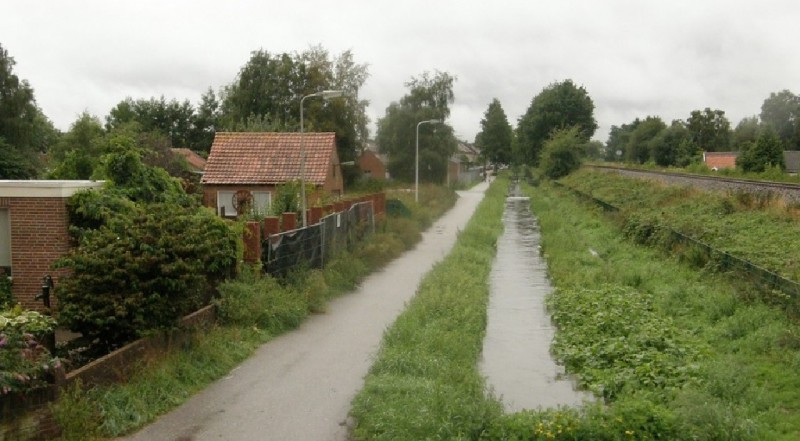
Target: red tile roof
[(196, 161), (268, 157)]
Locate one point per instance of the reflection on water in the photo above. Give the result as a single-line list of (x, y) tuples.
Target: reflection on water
[(516, 349)]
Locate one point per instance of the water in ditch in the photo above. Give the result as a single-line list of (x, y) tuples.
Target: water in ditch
[(516, 349)]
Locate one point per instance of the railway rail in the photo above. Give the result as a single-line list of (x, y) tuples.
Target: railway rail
[(790, 192)]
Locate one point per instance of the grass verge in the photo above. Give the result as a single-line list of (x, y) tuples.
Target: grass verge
[(424, 383)]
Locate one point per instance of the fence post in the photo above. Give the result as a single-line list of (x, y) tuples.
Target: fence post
[(252, 242), (289, 221), (272, 225), (315, 214)]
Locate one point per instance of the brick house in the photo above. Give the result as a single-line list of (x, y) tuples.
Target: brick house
[(34, 232), (720, 160), (253, 164), (371, 165)]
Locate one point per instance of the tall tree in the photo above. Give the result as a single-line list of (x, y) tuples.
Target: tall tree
[(494, 139), (710, 130), (429, 97), (667, 148), (745, 132), (558, 106), (765, 152), (24, 131), (269, 88), (782, 111), (77, 153), (640, 144), (205, 122), (618, 140), (172, 119)]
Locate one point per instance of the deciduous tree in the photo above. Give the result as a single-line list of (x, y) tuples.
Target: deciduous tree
[(429, 97), (25, 132), (710, 130), (766, 151), (559, 105), (640, 143), (782, 111)]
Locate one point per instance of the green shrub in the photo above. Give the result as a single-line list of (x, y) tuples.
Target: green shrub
[(24, 362), (561, 154), (141, 272)]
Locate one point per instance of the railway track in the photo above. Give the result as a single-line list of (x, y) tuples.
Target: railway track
[(790, 192)]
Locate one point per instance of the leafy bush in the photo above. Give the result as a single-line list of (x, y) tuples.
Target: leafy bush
[(140, 272), (561, 154), (24, 362)]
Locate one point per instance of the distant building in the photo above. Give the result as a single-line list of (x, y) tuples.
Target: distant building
[(371, 163), (720, 160), (248, 166)]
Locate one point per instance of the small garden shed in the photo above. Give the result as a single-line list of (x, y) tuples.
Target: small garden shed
[(34, 233), (250, 165)]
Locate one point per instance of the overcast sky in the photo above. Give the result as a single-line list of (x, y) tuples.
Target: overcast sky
[(635, 58)]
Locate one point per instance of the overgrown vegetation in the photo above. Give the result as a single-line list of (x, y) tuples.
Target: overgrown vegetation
[(743, 224), (677, 353), (724, 349), (253, 308), (146, 254)]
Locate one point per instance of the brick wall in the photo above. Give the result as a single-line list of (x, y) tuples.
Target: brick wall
[(38, 237)]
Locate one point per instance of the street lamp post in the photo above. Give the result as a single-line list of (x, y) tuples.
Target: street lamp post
[(325, 94), (416, 160)]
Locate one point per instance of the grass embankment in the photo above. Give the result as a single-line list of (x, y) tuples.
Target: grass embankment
[(677, 353), (758, 228), (253, 308)]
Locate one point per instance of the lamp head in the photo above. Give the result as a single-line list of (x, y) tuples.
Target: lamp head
[(328, 94)]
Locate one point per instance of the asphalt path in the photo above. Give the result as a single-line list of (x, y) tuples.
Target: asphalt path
[(299, 386)]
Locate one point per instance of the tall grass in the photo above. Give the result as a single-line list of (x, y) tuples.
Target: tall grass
[(424, 383)]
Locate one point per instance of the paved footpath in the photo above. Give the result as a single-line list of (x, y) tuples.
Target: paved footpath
[(299, 386)]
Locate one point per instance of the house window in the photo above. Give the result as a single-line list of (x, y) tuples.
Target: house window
[(262, 200), (225, 203), (5, 241)]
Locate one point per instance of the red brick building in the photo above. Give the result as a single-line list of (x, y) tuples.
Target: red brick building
[(33, 233), (371, 165), (253, 164), (720, 160)]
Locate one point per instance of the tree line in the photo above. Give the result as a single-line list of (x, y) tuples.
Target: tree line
[(556, 130), (760, 140), (264, 96)]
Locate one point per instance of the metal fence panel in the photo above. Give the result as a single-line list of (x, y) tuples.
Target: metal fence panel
[(315, 244)]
